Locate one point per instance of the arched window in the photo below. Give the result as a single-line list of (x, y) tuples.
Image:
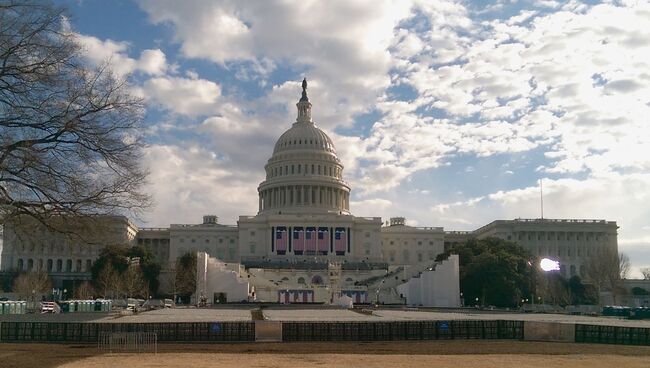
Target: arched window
[(68, 265), (30, 264), (49, 265), (59, 265), (20, 264), (78, 269), (301, 280), (317, 280), (89, 264)]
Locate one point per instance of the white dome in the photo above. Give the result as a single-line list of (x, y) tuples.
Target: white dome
[(304, 175), (304, 136)]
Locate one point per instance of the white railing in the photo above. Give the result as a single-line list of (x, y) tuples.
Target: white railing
[(133, 342)]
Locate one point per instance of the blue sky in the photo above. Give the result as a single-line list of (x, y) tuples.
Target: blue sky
[(446, 112)]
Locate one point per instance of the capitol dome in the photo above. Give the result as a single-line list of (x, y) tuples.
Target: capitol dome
[(304, 174), (304, 137)]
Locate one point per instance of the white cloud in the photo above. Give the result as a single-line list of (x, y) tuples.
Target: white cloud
[(153, 62), (116, 54), (183, 95), (187, 182)]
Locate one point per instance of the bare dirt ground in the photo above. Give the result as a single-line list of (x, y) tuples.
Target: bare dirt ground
[(484, 354)]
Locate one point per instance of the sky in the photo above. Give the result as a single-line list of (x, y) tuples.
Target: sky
[(448, 113)]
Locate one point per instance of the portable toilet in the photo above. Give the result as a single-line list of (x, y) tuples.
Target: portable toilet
[(65, 307)]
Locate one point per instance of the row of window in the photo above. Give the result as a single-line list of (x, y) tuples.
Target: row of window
[(81, 249), (406, 256), (316, 142), (50, 266), (556, 236), (564, 251), (406, 242), (220, 240), (300, 169), (572, 271)]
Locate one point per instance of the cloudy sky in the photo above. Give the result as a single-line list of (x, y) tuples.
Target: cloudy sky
[(448, 113)]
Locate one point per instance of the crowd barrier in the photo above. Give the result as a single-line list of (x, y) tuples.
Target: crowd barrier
[(407, 330), (598, 334), (84, 332), (81, 332)]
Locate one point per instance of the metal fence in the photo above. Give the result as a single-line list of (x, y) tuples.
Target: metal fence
[(81, 332), (91, 332), (407, 330), (612, 335), (123, 342)]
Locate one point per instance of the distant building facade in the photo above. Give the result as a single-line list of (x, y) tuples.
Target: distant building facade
[(66, 256)]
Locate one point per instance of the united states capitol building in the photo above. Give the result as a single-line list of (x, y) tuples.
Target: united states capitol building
[(304, 244)]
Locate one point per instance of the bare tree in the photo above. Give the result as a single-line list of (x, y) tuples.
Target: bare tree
[(624, 265), (70, 140), (109, 282), (84, 291), (134, 283), (606, 269), (645, 271), (31, 285)]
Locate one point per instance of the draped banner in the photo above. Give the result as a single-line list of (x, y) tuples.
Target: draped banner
[(281, 240), (298, 240), (340, 241), (310, 240), (323, 240)]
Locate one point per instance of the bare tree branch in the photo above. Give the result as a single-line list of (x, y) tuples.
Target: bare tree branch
[(70, 136)]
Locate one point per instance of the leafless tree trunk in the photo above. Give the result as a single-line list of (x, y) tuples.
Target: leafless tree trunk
[(31, 285), (70, 139), (84, 291), (109, 282), (646, 273), (605, 269), (134, 283), (624, 265)]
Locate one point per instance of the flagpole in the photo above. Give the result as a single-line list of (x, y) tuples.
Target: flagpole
[(541, 197)]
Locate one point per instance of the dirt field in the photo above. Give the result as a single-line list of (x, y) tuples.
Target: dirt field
[(502, 354)]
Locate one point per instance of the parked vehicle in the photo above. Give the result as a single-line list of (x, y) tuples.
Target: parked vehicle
[(169, 303), (153, 304)]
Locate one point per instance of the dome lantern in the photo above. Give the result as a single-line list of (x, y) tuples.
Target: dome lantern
[(304, 106)]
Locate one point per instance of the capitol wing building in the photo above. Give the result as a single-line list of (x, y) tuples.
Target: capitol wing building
[(304, 245)]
